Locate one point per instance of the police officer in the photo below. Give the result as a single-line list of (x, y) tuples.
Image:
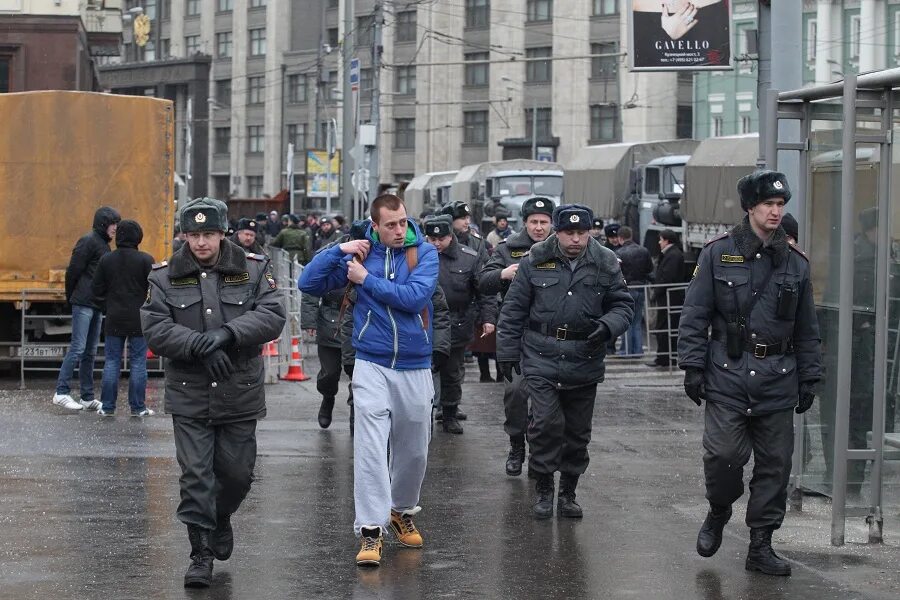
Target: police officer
[(245, 236), (762, 360), (461, 215), (566, 301), (495, 278), (208, 311), (612, 236), (597, 229), (458, 278)]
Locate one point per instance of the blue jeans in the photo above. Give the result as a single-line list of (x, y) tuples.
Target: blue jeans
[(137, 379), (82, 349), (632, 341)]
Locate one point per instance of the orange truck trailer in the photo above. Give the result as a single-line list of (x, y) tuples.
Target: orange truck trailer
[(63, 155)]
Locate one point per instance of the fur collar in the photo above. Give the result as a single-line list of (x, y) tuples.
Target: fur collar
[(749, 244), (519, 240), (596, 253), (232, 261)]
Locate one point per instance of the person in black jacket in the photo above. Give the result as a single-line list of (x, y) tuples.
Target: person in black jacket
[(669, 269), (86, 315), (120, 288), (636, 267)]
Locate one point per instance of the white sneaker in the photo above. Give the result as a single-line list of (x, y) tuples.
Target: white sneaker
[(66, 401), (92, 405), (147, 412)]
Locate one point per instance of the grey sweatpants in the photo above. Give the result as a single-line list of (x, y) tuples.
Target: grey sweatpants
[(390, 406)]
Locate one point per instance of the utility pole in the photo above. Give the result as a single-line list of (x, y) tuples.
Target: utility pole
[(375, 117), (348, 134), (533, 127), (320, 57)]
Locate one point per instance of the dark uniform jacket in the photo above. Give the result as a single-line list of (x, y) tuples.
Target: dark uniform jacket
[(730, 269), (636, 263), (183, 300), (459, 268), (321, 240), (440, 341), (508, 252), (473, 240), (85, 257), (256, 248), (669, 269), (547, 292)]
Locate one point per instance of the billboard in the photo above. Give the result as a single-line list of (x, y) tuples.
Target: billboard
[(675, 35), (317, 174)]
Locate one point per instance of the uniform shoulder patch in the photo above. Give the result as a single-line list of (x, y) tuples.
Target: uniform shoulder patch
[(799, 251), (518, 253), (258, 257), (721, 236), (160, 265), (468, 250), (271, 280), (546, 265)]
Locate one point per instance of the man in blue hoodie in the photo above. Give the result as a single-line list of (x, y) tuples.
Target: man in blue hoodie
[(395, 275)]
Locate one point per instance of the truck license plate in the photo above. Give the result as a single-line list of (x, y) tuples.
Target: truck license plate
[(39, 351)]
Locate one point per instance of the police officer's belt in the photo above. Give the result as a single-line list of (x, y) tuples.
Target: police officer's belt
[(761, 350), (558, 332)]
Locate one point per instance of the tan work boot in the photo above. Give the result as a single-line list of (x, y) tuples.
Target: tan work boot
[(405, 529), (370, 548)]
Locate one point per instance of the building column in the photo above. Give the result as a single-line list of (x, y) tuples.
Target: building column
[(278, 18), (824, 42), (872, 39), (571, 119), (239, 41)]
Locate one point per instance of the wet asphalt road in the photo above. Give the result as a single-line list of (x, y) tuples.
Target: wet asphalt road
[(88, 507)]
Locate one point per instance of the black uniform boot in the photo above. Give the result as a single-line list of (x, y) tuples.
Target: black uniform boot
[(221, 541), (325, 411), (543, 503), (566, 506), (516, 455), (710, 537), (761, 557), (450, 423), (484, 367), (199, 573)]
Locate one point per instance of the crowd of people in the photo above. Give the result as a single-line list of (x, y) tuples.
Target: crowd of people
[(395, 304)]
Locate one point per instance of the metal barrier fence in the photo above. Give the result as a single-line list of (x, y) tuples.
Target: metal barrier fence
[(654, 326)]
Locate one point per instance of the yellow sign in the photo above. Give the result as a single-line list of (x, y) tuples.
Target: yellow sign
[(318, 183), (141, 30)]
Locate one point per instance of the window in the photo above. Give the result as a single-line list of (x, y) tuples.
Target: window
[(165, 10), (406, 26), (812, 29), (225, 5), (255, 90), (255, 138), (404, 134), (332, 37), (192, 8), (605, 7), (220, 185), (746, 125), (365, 30), (684, 121), (604, 122), (257, 42), (478, 13), (475, 127), (150, 51), (5, 75), (540, 10), (223, 44), (477, 74), (296, 134), (334, 3), (331, 86), (191, 45), (222, 144), (257, 3), (223, 92), (165, 48), (365, 80), (855, 25), (715, 126), (150, 9), (254, 186), (604, 67), (897, 33), (544, 123), (538, 71), (296, 89), (405, 80)]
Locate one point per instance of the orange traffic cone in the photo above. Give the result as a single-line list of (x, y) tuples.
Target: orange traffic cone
[(295, 370), (270, 349)]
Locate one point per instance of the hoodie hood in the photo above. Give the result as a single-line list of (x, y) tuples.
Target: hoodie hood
[(129, 234), (103, 218), (413, 235)]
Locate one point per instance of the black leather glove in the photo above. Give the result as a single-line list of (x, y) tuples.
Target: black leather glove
[(218, 365), (216, 339), (348, 369), (694, 384), (438, 360), (506, 368), (196, 344), (807, 395), (600, 335)]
